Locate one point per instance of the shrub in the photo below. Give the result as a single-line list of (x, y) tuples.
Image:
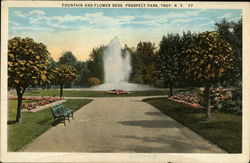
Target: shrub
[(234, 103), (93, 81)]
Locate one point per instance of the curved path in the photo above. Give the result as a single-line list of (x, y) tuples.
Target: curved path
[(121, 124)]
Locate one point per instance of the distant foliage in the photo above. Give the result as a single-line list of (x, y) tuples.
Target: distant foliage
[(147, 53), (52, 62), (95, 63), (93, 81), (136, 64), (68, 58), (84, 74)]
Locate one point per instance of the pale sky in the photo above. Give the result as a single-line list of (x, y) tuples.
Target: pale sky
[(81, 29)]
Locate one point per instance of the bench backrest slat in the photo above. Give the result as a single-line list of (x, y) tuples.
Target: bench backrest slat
[(57, 109)]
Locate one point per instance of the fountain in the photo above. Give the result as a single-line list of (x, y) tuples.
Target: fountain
[(117, 69)]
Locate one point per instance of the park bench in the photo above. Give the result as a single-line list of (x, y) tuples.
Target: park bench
[(60, 112)]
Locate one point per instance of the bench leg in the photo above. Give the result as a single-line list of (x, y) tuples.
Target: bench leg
[(64, 122), (68, 118)]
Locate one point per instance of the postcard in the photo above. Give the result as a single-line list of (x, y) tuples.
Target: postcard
[(125, 81)]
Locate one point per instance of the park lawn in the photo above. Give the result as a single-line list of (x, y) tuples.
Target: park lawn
[(34, 124), (224, 129), (13, 105), (85, 93)]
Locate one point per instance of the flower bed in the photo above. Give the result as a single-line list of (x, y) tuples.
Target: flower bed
[(40, 101), (29, 106), (188, 99), (218, 96), (48, 100), (117, 92)]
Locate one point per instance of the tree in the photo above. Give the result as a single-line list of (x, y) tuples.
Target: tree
[(168, 62), (64, 74), (231, 32), (95, 63), (68, 58), (186, 40), (206, 60), (83, 72), (136, 65), (52, 62), (147, 53), (51, 65), (27, 66)]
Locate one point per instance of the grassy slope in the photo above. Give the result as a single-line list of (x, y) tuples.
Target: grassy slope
[(224, 129), (34, 124)]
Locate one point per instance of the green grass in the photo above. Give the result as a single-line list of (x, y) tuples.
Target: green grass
[(12, 105), (84, 93), (34, 124), (224, 129)]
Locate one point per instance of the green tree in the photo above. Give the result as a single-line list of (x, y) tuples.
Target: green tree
[(147, 53), (206, 60), (187, 39), (64, 74), (95, 63), (136, 65), (27, 66), (83, 72), (231, 32), (168, 66), (52, 62), (68, 58)]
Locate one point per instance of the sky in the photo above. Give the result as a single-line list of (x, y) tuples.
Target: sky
[(81, 29)]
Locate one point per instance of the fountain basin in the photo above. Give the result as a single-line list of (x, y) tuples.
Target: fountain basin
[(124, 86)]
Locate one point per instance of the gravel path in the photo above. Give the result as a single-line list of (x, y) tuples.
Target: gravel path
[(122, 124)]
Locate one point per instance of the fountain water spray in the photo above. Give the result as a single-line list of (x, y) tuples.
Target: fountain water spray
[(117, 69)]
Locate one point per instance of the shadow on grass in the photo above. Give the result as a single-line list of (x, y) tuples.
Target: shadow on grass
[(44, 121), (154, 113)]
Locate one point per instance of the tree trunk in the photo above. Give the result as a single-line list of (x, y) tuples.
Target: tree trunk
[(171, 90), (19, 106), (61, 90), (207, 90)]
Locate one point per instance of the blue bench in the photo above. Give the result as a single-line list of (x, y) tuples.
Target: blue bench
[(60, 112)]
